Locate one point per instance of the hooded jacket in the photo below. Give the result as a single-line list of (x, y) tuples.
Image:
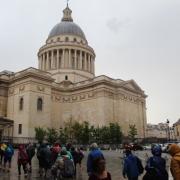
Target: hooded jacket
[(174, 150)]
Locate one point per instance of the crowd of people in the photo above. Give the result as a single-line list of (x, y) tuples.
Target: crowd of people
[(61, 161)]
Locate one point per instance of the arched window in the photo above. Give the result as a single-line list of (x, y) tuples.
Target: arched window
[(21, 104), (66, 77), (39, 104), (75, 39)]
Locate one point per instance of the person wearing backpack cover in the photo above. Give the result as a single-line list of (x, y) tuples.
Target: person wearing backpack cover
[(22, 160), (132, 166), (174, 151), (64, 164), (9, 152), (156, 166)]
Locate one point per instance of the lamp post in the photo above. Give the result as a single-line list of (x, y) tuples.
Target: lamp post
[(168, 133)]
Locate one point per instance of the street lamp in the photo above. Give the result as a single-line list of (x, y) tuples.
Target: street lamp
[(168, 133)]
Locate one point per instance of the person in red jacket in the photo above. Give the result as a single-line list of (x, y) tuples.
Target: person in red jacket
[(22, 159)]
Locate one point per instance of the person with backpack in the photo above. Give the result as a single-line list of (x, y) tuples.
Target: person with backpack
[(64, 164), (174, 151), (94, 154), (22, 160), (156, 166), (30, 149), (132, 166), (44, 156), (99, 170), (9, 152)]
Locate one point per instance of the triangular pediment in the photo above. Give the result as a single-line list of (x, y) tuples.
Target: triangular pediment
[(131, 84)]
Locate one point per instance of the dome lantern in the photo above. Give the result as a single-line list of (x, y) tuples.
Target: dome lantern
[(67, 14)]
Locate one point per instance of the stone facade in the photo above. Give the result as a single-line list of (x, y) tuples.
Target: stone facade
[(65, 86), (177, 129)]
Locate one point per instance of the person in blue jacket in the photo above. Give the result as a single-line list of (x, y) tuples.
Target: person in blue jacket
[(156, 165), (93, 155), (130, 168), (9, 152)]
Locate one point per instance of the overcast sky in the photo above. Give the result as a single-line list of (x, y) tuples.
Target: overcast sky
[(132, 39)]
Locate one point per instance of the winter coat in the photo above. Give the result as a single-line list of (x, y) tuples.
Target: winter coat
[(45, 157), (9, 151), (30, 151), (156, 167), (174, 150), (130, 166), (22, 156), (94, 154)]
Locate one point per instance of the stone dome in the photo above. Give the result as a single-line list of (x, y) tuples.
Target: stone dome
[(67, 27)]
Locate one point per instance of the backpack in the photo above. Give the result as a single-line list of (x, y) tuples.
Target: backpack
[(9, 152), (69, 169), (139, 165)]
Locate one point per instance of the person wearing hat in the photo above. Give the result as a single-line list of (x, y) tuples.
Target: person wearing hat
[(156, 165), (93, 155), (174, 151)]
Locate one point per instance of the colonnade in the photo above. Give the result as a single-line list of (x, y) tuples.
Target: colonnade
[(66, 59)]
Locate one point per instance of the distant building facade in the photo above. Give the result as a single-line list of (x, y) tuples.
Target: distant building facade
[(65, 86), (176, 127), (157, 130)]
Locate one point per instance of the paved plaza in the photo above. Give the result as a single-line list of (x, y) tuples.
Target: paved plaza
[(114, 166)]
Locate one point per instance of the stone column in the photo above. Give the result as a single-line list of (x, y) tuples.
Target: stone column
[(85, 61), (69, 58), (47, 60), (63, 58), (80, 63), (41, 63), (89, 63), (57, 59), (52, 59), (92, 64), (75, 59)]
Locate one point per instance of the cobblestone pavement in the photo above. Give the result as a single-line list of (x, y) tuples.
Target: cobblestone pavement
[(113, 159)]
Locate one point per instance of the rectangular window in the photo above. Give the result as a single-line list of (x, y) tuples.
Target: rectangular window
[(20, 129)]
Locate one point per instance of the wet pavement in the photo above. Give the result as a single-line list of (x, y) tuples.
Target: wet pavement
[(113, 159)]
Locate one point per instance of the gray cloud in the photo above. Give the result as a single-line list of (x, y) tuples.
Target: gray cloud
[(115, 24)]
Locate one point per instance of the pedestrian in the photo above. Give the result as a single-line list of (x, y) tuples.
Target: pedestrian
[(94, 154), (56, 149), (75, 157), (22, 160), (132, 166), (30, 149), (9, 152), (174, 151), (2, 150), (80, 156), (99, 170), (44, 156), (156, 166)]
